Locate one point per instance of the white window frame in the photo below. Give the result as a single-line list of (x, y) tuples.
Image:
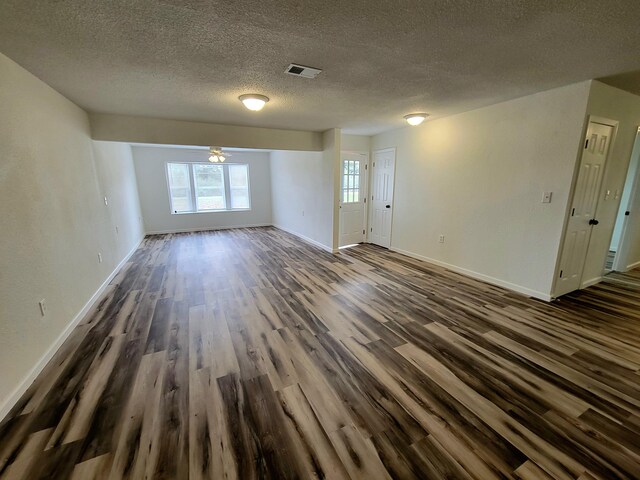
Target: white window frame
[(192, 188)]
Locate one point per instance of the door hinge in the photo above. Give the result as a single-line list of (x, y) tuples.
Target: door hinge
[(365, 199), (374, 164), (573, 212), (363, 232), (561, 273), (586, 144), (372, 229), (365, 166)]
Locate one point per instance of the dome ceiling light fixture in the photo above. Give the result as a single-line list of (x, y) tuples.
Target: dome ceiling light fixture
[(253, 101), (217, 155), (414, 119)]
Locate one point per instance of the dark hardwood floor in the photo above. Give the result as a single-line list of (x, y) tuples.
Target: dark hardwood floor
[(250, 354)]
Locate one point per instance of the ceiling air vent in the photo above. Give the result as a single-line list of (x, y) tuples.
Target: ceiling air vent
[(302, 71)]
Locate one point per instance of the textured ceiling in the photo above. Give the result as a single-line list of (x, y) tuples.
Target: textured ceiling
[(629, 81), (191, 59)]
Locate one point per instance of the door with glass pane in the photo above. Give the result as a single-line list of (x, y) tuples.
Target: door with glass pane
[(353, 198)]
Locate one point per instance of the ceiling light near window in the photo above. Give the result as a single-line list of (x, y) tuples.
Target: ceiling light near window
[(217, 155), (253, 101), (414, 119)]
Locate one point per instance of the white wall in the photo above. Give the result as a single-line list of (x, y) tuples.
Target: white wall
[(117, 182), (54, 221), (127, 128), (478, 178), (301, 200), (355, 143), (614, 104), (332, 146), (304, 192), (154, 197)]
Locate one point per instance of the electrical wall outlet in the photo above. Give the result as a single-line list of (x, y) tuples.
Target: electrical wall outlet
[(106, 202), (441, 239), (99, 257), (546, 197), (43, 307)]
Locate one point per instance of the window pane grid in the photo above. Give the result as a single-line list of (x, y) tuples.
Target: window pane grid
[(350, 181), (203, 187)]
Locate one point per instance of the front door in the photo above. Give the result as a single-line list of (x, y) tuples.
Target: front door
[(585, 201), (352, 199)]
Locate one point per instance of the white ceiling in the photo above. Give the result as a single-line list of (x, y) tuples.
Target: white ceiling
[(381, 58)]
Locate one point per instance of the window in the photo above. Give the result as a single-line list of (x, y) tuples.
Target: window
[(205, 187), (239, 186), (350, 181), (208, 181), (179, 187)]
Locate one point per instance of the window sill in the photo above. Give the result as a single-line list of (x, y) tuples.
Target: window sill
[(213, 211)]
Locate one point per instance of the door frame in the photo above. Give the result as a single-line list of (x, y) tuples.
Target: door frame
[(365, 186), (393, 197), (576, 171)]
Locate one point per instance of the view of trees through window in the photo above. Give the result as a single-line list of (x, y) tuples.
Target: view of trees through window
[(239, 186), (204, 187), (179, 187), (209, 185), (350, 181)]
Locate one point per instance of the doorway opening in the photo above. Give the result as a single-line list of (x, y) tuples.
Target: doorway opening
[(619, 246)]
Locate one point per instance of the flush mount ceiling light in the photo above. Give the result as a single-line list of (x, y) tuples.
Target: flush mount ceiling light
[(414, 119), (217, 155), (253, 101)]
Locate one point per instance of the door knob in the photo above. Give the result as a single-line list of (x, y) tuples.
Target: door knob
[(593, 221), (387, 206)]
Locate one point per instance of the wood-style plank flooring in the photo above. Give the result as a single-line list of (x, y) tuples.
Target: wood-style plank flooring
[(247, 353)]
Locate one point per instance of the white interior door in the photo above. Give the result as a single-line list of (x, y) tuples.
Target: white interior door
[(382, 197), (629, 198), (585, 201), (353, 198)]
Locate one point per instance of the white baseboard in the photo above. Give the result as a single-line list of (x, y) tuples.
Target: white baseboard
[(17, 393), (206, 229), (632, 266), (478, 276), (307, 239), (590, 282)]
